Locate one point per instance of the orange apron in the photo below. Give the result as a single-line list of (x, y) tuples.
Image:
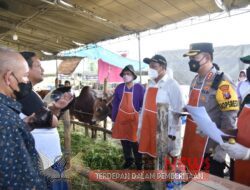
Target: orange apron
[(147, 143), (194, 145), (242, 167), (126, 122)]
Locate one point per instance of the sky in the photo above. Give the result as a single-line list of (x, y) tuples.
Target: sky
[(233, 30)]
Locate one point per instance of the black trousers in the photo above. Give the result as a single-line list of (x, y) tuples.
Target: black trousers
[(129, 148), (214, 167)]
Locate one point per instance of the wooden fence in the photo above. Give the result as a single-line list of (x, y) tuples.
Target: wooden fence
[(94, 128)]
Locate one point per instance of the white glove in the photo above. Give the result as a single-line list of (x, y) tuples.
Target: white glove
[(174, 144), (237, 151), (219, 154)]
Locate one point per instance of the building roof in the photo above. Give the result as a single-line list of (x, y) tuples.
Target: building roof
[(53, 26)]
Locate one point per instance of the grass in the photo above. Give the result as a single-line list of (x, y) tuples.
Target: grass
[(94, 154)]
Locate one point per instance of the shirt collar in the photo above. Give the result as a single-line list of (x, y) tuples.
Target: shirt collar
[(163, 79), (11, 103), (213, 70)]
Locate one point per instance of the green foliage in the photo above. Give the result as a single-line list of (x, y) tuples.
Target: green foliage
[(97, 154), (104, 156)]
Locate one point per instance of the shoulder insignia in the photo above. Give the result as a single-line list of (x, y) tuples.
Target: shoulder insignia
[(225, 91), (206, 87), (210, 75), (227, 97), (203, 98)]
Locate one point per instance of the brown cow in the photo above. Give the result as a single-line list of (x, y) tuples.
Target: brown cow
[(90, 109), (102, 108), (42, 93)]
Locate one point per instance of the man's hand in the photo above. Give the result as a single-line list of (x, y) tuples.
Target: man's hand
[(29, 119), (236, 151), (36, 120), (65, 99)]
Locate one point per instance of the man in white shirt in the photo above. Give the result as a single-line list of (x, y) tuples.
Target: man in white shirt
[(165, 90), (47, 141)]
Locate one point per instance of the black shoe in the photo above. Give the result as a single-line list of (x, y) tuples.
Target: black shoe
[(127, 165), (138, 166), (146, 185)]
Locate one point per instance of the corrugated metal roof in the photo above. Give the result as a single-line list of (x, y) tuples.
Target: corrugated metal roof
[(52, 26)]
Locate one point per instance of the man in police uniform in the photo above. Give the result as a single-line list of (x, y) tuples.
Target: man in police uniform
[(240, 150), (216, 92)]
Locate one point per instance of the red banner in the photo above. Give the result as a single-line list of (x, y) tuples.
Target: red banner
[(111, 72)]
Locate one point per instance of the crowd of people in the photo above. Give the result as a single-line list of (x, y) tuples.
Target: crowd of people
[(137, 126), (28, 127), (29, 139)]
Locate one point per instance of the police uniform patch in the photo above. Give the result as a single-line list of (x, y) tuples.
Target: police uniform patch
[(203, 98), (227, 97), (225, 91), (206, 88), (210, 76), (204, 91), (209, 83)]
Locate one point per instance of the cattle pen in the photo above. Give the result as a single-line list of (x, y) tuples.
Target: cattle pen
[(79, 169), (94, 128), (84, 172)]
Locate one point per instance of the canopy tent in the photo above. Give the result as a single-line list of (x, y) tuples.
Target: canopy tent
[(56, 25), (68, 66), (96, 52), (109, 63)]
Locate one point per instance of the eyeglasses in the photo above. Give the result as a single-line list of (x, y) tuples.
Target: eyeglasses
[(24, 78), (15, 77)]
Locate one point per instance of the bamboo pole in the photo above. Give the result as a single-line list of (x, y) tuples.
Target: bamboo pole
[(67, 135), (105, 121), (94, 127), (139, 53)]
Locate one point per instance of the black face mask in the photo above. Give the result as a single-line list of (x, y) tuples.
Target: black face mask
[(24, 89), (194, 65), (248, 73)]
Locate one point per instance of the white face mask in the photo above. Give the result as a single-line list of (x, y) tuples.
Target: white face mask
[(127, 78), (152, 73), (242, 78)]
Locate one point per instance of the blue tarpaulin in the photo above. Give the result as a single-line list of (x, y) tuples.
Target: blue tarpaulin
[(96, 52)]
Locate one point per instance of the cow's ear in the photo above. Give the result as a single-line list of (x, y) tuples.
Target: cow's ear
[(105, 94), (109, 100)]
